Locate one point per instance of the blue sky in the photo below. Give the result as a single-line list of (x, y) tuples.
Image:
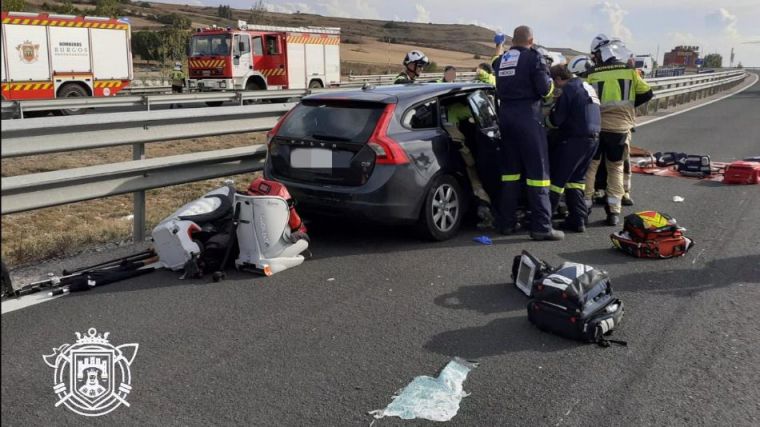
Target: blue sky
[(643, 24)]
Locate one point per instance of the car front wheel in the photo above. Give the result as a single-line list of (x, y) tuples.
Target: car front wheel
[(442, 213)]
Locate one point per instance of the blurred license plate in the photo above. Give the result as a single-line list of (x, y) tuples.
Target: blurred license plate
[(206, 73), (311, 158)]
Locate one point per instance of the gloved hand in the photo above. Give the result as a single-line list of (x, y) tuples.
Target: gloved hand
[(499, 38)]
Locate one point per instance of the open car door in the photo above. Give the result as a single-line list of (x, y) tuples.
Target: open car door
[(487, 145)]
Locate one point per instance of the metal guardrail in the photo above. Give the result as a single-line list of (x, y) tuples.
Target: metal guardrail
[(57, 134), (389, 78), (682, 89), (147, 101)]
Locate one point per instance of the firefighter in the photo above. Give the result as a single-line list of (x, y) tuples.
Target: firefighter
[(485, 74), (178, 82), (577, 117), (522, 81), (459, 124), (178, 78), (620, 91), (449, 75), (414, 62)]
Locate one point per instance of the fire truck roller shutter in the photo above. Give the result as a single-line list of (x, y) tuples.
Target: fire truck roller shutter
[(32, 64), (110, 52), (296, 66), (332, 64), (70, 49), (315, 61)]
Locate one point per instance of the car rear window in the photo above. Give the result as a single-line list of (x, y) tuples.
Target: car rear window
[(332, 121)]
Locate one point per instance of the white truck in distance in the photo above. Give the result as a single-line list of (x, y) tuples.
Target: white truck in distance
[(645, 63)]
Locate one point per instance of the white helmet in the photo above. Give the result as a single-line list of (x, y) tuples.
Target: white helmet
[(598, 41), (416, 57), (610, 49), (580, 65)]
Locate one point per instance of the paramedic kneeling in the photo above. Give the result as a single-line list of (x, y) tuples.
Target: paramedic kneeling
[(578, 118)]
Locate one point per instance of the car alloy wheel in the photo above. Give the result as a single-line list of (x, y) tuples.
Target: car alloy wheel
[(445, 208)]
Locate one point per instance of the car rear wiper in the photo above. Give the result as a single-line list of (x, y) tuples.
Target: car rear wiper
[(330, 138)]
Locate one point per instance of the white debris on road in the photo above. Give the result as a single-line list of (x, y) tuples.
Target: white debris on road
[(435, 399)]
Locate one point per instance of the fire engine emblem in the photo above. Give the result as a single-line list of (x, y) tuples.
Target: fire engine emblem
[(28, 52), (92, 377)]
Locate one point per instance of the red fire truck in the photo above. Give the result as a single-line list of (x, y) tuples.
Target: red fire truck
[(57, 56), (257, 57)]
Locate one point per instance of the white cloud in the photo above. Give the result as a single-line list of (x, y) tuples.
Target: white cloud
[(423, 15), (724, 21), (348, 9), (615, 15), (289, 7), (678, 38)]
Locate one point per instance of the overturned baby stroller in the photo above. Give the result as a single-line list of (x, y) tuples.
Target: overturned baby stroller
[(203, 235)]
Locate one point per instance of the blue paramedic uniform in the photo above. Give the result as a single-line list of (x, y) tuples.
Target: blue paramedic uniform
[(578, 116), (522, 80)]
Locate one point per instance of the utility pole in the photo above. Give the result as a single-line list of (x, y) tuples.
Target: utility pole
[(657, 57)]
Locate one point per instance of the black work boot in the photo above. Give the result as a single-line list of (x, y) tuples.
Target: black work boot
[(613, 219), (627, 200)]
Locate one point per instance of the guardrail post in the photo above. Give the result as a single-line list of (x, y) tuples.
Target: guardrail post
[(138, 200)]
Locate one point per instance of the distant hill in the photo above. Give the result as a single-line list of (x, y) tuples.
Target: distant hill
[(369, 46)]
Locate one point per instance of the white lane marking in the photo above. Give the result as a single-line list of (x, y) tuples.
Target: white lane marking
[(14, 304), (657, 119)]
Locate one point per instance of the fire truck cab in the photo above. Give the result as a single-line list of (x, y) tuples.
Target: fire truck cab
[(263, 58)]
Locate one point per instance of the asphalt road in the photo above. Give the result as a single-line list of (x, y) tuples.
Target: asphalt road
[(326, 342)]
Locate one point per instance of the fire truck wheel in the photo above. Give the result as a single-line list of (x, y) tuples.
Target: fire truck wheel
[(252, 85), (72, 91), (315, 84)]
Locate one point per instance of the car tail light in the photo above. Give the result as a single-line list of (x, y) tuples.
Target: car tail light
[(388, 150), (272, 133)]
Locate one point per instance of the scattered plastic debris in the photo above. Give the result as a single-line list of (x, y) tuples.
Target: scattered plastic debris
[(483, 240), (332, 279), (129, 217), (435, 399), (678, 199)]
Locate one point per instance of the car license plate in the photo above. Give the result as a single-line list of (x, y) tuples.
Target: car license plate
[(311, 158)]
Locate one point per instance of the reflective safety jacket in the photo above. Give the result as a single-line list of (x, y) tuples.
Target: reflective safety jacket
[(402, 78), (621, 89), (486, 77)]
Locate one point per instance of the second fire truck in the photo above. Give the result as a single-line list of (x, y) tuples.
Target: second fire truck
[(264, 58)]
